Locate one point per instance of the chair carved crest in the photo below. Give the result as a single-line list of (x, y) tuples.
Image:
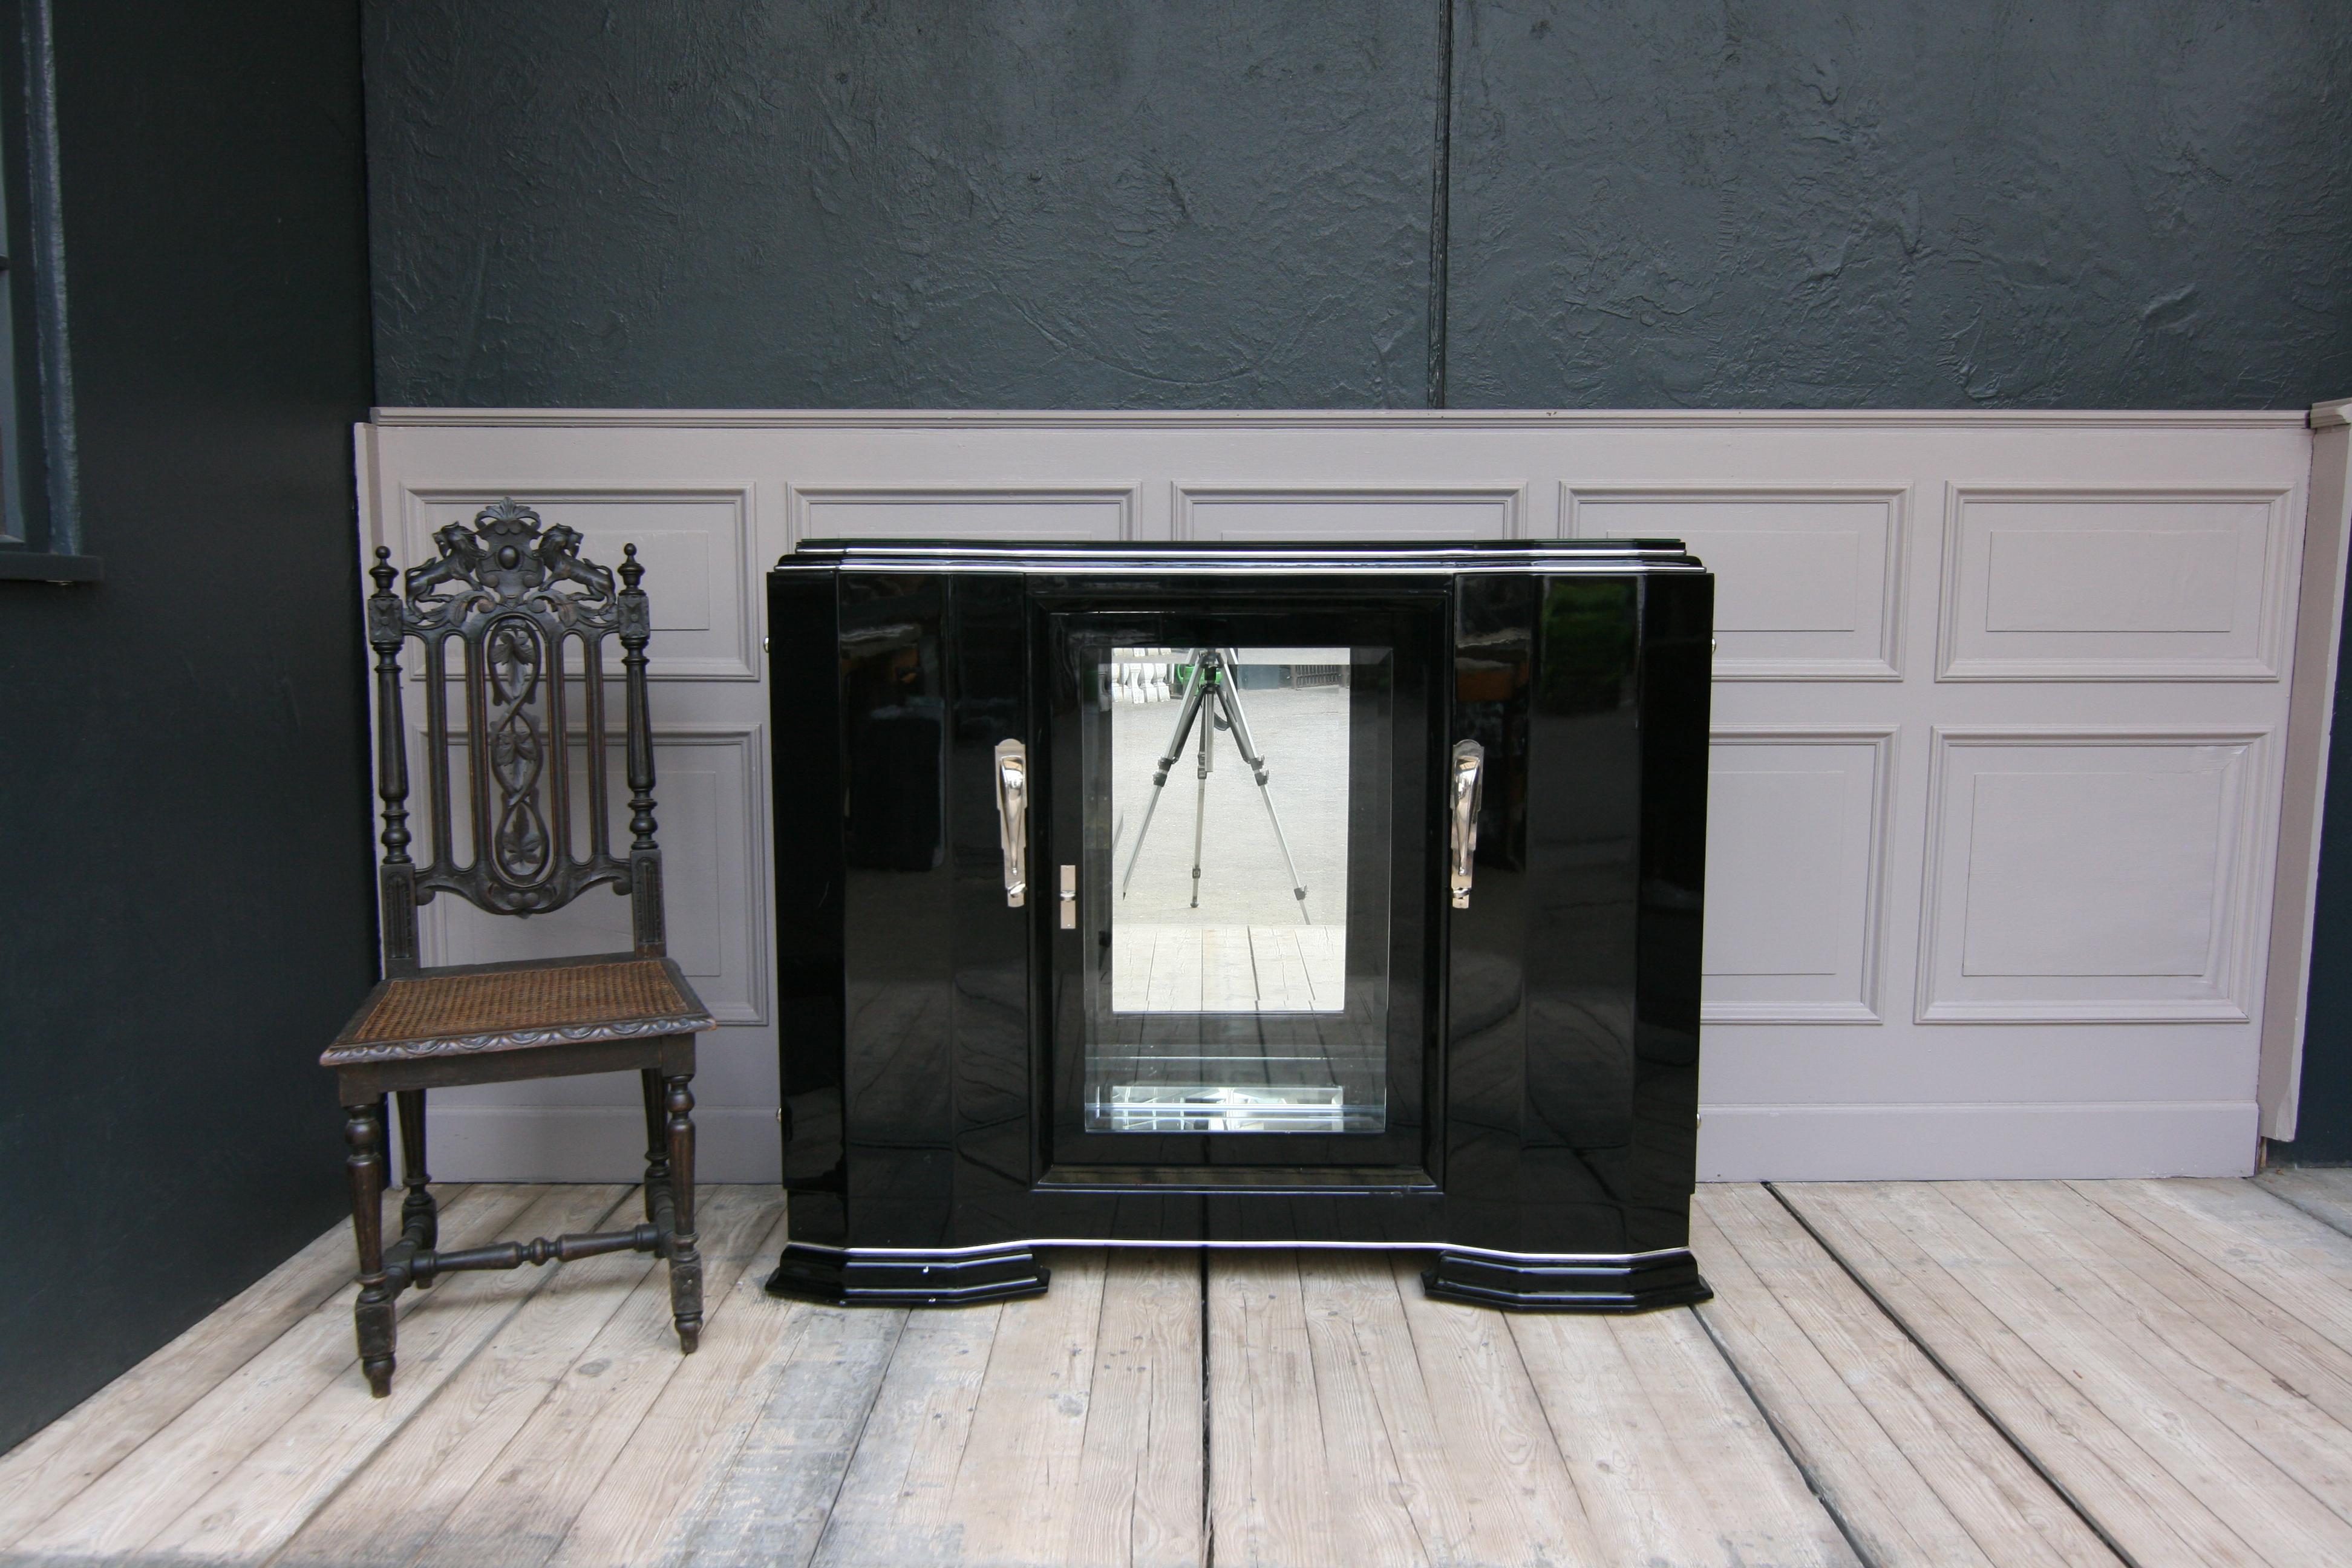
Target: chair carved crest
[(512, 598)]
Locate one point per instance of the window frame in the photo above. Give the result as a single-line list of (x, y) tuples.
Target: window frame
[(41, 535)]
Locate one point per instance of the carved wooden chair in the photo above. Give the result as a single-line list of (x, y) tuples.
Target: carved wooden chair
[(520, 606)]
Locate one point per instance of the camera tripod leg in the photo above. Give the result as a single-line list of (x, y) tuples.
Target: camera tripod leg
[(1201, 804), (1191, 711), (1230, 702)]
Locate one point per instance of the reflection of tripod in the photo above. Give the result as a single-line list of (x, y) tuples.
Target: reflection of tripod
[(1213, 681)]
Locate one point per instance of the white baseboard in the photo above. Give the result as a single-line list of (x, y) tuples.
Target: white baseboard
[(1736, 1142), (592, 1143), (1959, 1142)]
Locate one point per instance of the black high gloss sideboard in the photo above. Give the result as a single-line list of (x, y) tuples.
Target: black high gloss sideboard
[(1409, 958)]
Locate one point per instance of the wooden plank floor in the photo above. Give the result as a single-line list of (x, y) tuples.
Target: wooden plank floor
[(2084, 1373)]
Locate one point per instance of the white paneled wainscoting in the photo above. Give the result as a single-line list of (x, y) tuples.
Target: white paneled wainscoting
[(2021, 724)]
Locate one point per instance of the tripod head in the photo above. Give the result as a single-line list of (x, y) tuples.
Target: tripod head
[(1215, 665), (1213, 688)]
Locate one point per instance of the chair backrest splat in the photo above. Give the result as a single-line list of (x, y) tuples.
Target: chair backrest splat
[(512, 623)]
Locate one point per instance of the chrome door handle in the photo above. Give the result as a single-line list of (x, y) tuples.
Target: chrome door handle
[(1468, 790), (1013, 818)]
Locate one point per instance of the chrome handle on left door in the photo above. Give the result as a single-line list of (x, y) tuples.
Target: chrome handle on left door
[(1468, 789), (1013, 818)]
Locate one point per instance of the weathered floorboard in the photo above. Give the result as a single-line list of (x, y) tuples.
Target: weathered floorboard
[(897, 1499), (257, 1505), (1269, 1486), (2175, 1356), (2168, 1483), (519, 1510), (1354, 1420), (1033, 1431), (1471, 1428), (1138, 1485), (2184, 1333), (1670, 1454), (770, 1505), (48, 1470), (139, 1497), (652, 1493), (1920, 1478), (2326, 1195), (2277, 1260), (469, 1480)]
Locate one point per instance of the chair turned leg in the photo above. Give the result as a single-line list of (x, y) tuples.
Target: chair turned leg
[(657, 1137), (420, 1217), (685, 1262), (373, 1317)]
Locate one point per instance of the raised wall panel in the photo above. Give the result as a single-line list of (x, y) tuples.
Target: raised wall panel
[(1013, 511), (1845, 546), (1464, 511), (1807, 583), (714, 874), (2092, 876), (1796, 843), (2046, 584), (696, 545)]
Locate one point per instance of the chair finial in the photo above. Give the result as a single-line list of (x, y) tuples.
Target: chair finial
[(382, 570), (630, 570)]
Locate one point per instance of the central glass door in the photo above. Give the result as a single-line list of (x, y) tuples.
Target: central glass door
[(1230, 998), (1242, 958)]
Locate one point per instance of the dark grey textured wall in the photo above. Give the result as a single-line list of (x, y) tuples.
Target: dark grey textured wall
[(1056, 203), (2090, 203), (1082, 203), (186, 895), (2324, 1122)]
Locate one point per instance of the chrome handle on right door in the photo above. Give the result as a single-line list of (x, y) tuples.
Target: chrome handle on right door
[(1013, 818), (1468, 789)]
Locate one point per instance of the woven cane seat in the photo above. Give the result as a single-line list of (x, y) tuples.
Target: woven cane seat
[(514, 1007)]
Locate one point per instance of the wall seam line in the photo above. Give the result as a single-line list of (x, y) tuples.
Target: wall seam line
[(1441, 204)]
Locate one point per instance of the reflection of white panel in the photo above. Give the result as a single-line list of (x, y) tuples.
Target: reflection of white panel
[(1489, 511), (713, 878), (2093, 876), (695, 545), (2111, 580), (1806, 584), (1795, 847), (1014, 512), (2114, 585), (2091, 873)]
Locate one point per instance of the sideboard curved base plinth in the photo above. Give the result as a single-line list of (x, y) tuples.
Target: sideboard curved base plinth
[(906, 1279), (1568, 1284)]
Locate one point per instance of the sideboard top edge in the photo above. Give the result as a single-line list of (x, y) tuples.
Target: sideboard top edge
[(1251, 557), (1389, 420)]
